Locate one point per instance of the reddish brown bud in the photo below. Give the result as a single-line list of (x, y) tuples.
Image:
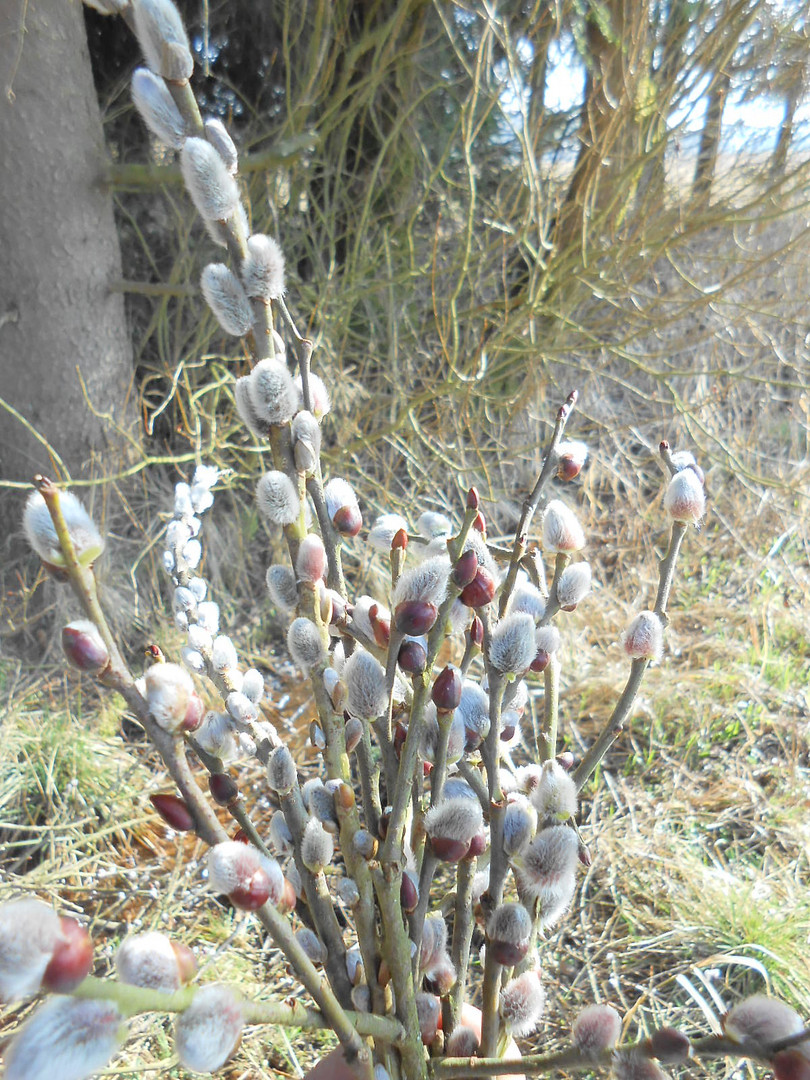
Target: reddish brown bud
[(473, 499), (174, 812), (478, 845), (465, 569), (241, 837), (381, 627), (480, 591), (508, 725), (449, 850), (83, 647), (541, 661), (186, 961), (568, 467), (288, 898), (670, 1045), (791, 1064), (400, 541), (415, 617), (446, 692), (409, 892), (584, 855), (344, 797), (353, 733), (480, 523), (72, 959), (400, 735), (223, 789), (412, 657), (195, 711), (477, 631), (566, 760), (253, 894), (348, 520)]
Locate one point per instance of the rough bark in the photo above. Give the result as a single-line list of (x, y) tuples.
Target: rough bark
[(60, 250)]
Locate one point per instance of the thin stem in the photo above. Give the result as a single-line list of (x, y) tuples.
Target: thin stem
[(462, 938), (615, 725), (551, 709), (318, 898), (572, 1059), (533, 501)]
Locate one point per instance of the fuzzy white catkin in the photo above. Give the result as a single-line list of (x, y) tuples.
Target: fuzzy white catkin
[(474, 710), (763, 1020), (66, 1038), (227, 299), (338, 493), (511, 923), (29, 933), (168, 690), (208, 616), (210, 1029), (272, 391), (310, 564), (547, 639), (527, 599), (597, 1028), (365, 682), (305, 433), (317, 846), (454, 819), (217, 134), (253, 685), (562, 531), (305, 644), (383, 531), (282, 774), (212, 188), (148, 960), (427, 582), (162, 37), (432, 524), (319, 395), (263, 268), (248, 413), (223, 654), (644, 637), (157, 108), (41, 534), (280, 836), (685, 499), (512, 645), (280, 581), (574, 584), (277, 498), (522, 1004), (555, 795), (519, 824)]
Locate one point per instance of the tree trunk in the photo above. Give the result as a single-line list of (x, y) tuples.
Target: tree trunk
[(782, 148), (60, 251), (602, 183), (710, 136)]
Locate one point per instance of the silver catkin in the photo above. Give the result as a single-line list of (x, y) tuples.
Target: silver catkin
[(263, 268), (212, 188), (157, 108), (226, 298), (163, 39)]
